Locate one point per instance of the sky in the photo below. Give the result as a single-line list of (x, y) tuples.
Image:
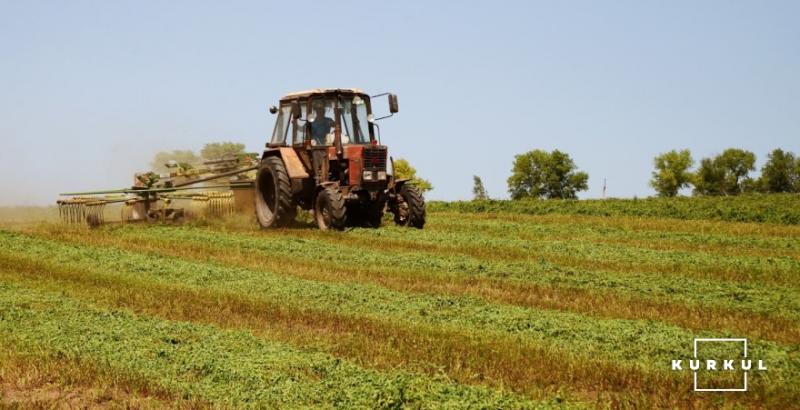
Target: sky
[(91, 90)]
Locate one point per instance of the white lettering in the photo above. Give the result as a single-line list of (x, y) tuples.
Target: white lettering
[(676, 365), (746, 364), (761, 365), (711, 365), (727, 364), (694, 364)]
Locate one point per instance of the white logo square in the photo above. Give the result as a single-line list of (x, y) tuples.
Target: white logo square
[(735, 340)]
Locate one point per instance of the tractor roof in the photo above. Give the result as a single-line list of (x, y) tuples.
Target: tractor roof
[(321, 91)]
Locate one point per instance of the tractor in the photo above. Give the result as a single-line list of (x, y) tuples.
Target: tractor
[(325, 156)]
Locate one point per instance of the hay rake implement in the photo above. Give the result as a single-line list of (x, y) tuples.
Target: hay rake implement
[(170, 197), (79, 210)]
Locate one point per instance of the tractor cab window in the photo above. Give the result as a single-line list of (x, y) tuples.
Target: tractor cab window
[(299, 126), (352, 119), (281, 125), (354, 116)]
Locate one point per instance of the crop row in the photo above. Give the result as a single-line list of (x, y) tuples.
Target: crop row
[(777, 270), (600, 304), (49, 380), (459, 316), (773, 208), (221, 366), (607, 339), (467, 356), (775, 301), (376, 344), (715, 237), (732, 257)]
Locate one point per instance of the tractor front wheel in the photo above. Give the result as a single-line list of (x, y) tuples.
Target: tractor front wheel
[(329, 209), (410, 207), (273, 194)]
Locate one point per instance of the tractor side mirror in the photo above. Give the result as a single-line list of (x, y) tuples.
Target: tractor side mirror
[(296, 111), (393, 108), (273, 109)]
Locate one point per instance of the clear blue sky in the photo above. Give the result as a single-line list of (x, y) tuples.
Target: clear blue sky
[(90, 90)]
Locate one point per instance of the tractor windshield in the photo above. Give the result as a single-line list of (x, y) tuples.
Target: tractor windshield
[(352, 118)]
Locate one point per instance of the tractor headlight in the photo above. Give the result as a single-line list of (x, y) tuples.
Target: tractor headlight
[(381, 175), (367, 175)]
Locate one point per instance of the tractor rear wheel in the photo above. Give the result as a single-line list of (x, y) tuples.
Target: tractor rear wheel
[(410, 207), (329, 209), (273, 194)]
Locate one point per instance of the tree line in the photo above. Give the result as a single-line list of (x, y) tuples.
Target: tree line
[(725, 174), (543, 174)]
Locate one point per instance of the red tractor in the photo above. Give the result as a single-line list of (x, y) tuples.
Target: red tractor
[(325, 157)]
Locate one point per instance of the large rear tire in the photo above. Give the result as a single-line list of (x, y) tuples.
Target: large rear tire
[(410, 208), (329, 209), (273, 194)]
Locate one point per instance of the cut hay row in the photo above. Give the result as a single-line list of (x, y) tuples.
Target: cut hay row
[(764, 208), (225, 367), (619, 256), (661, 226), (500, 309), (31, 377), (326, 250), (593, 302), (556, 334), (749, 309), (638, 232)]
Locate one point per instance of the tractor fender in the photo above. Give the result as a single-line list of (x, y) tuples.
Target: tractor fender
[(345, 190), (294, 167), (397, 184), (320, 187)]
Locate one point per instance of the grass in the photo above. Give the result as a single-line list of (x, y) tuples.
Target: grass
[(768, 208), (487, 310), (45, 381), (389, 263), (223, 366)]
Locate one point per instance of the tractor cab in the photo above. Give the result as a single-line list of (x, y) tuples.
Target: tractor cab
[(324, 118), (327, 143)]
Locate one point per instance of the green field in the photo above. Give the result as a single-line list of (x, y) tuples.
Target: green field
[(770, 208), (493, 305)]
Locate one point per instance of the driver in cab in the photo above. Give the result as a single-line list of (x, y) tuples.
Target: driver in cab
[(321, 126)]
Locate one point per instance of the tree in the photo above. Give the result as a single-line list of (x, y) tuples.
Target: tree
[(797, 175), (217, 150), (540, 173), (725, 174), (781, 173), (478, 190), (404, 170), (750, 185), (709, 178), (185, 158), (672, 172)]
